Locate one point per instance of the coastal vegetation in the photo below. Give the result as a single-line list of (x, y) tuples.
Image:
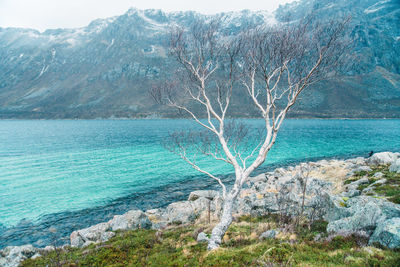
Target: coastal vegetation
[(177, 246)]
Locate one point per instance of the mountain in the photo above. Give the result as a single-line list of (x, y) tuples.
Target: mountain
[(105, 69)]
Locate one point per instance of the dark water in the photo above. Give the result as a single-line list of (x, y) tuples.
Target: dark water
[(73, 174)]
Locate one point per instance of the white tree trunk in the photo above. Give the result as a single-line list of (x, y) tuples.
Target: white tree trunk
[(220, 229)]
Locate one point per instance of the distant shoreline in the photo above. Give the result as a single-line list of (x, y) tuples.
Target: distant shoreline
[(164, 118)]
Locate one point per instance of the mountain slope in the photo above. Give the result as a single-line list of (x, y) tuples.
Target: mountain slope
[(105, 69)]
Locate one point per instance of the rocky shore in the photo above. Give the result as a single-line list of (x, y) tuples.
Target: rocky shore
[(345, 193)]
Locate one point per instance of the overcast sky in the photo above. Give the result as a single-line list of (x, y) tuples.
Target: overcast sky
[(49, 14)]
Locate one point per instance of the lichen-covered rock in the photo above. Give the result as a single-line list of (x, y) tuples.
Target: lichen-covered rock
[(365, 219), (180, 213), (209, 194), (350, 193), (354, 185), (395, 166), (382, 158), (259, 178), (133, 219), (270, 234), (11, 256), (97, 233), (334, 207), (202, 238), (387, 233), (364, 214), (156, 218)]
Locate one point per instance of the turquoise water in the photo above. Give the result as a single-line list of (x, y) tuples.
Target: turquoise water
[(55, 168)]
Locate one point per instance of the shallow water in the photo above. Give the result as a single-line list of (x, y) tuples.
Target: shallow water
[(73, 173)]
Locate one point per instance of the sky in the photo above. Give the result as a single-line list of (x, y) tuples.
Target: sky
[(51, 14)]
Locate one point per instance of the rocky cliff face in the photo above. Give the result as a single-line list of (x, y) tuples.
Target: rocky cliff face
[(105, 69)]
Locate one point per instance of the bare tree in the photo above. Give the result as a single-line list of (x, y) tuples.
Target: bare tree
[(272, 64)]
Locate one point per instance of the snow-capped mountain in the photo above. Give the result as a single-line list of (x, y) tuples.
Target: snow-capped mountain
[(105, 69)]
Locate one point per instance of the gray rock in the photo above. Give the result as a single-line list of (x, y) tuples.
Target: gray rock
[(379, 182), (368, 190), (357, 161), (364, 219), (181, 212), (382, 158), (333, 206), (209, 194), (378, 175), (202, 237), (131, 220), (259, 178), (269, 234), (362, 168), (279, 172), (387, 233), (14, 255), (48, 248), (96, 233), (364, 214), (351, 193), (37, 255), (395, 166), (354, 185)]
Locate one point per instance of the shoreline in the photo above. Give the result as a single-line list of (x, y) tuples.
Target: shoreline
[(93, 215), (165, 118), (338, 191)]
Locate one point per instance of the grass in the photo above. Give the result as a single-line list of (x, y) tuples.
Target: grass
[(389, 190), (176, 246)]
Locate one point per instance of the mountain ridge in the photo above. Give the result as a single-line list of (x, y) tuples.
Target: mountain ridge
[(104, 70)]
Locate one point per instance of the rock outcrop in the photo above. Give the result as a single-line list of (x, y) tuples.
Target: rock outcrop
[(387, 233), (383, 158), (395, 166)]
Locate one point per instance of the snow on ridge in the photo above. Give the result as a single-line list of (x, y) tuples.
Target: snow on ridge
[(375, 7)]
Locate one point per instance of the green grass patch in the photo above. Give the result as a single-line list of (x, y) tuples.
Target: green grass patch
[(389, 190), (176, 246)]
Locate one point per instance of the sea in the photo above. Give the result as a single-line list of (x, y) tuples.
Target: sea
[(57, 176)]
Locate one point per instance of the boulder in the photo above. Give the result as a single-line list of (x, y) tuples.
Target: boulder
[(334, 207), (354, 185), (133, 219), (378, 175), (208, 194), (181, 212), (96, 233), (395, 166), (13, 255), (156, 218), (364, 219), (364, 213), (270, 234), (259, 178), (387, 233), (351, 193), (361, 169), (202, 238), (382, 158), (357, 161), (379, 182)]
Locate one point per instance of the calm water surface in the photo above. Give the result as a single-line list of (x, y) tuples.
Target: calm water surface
[(71, 174)]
